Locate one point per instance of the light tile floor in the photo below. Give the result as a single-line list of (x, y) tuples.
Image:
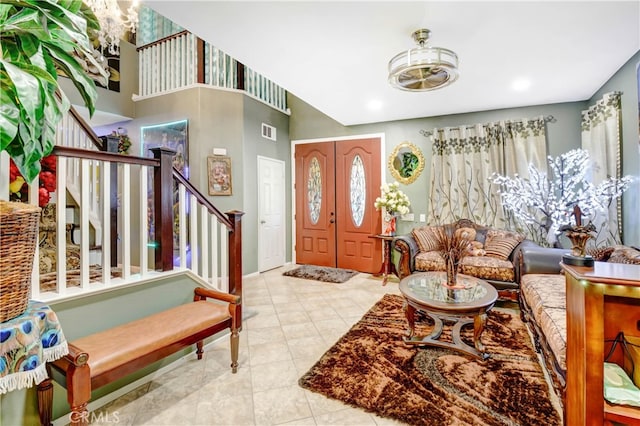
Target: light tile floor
[(290, 323)]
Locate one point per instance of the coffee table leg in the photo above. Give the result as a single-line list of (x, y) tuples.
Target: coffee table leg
[(479, 321), (410, 314)]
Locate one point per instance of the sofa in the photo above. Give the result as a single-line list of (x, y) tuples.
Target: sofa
[(493, 254), (543, 301)]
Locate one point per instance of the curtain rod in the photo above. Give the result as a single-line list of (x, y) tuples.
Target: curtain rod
[(427, 133)]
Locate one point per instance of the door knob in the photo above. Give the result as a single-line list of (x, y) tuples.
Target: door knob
[(332, 220), (262, 222)]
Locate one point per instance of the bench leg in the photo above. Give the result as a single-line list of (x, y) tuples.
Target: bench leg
[(79, 393), (45, 401), (235, 343), (200, 348)]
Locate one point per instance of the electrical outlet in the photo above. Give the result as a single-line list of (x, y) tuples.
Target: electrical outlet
[(423, 217)]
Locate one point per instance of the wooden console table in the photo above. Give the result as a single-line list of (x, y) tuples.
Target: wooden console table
[(601, 301), (388, 267)]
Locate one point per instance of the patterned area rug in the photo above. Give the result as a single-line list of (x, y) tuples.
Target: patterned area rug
[(321, 273), (371, 368)]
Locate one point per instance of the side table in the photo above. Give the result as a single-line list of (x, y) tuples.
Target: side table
[(388, 267), (27, 343)]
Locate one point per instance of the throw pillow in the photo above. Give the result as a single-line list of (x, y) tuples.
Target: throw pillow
[(425, 238), (468, 234), (501, 243), (476, 249)]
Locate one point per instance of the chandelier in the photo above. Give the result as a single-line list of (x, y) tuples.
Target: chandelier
[(114, 24), (423, 68)]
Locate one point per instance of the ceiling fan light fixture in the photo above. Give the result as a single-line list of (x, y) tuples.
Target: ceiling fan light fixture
[(423, 68)]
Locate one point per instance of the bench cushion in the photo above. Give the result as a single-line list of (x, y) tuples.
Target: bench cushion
[(119, 345), (545, 295)]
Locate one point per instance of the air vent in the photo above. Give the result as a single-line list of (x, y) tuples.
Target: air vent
[(268, 132)]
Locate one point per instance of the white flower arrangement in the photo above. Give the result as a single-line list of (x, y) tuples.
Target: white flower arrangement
[(392, 199)]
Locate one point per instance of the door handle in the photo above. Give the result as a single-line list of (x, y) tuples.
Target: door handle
[(262, 222), (332, 220)]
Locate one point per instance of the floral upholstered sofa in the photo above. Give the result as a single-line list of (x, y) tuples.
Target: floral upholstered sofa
[(493, 255), (543, 301)]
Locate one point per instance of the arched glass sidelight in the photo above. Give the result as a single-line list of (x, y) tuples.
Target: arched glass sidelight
[(358, 194), (314, 190)]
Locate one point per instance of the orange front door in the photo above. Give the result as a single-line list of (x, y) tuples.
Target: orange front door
[(336, 186), (315, 204)]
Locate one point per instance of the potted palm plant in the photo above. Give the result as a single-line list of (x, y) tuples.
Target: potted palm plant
[(39, 40)]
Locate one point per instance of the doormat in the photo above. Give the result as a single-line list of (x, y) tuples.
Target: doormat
[(321, 273), (370, 367)]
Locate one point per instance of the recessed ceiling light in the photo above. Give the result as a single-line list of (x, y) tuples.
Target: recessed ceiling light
[(521, 84), (374, 105)]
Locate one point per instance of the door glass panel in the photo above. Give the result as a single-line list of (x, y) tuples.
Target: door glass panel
[(314, 190), (357, 191)]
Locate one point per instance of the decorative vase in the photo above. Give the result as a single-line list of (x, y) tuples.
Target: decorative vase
[(18, 240), (389, 223), (578, 242), (452, 273)]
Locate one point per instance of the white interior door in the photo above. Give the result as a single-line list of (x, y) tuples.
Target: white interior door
[(271, 213)]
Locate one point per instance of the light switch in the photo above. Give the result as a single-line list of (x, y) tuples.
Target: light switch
[(423, 217), (409, 217)]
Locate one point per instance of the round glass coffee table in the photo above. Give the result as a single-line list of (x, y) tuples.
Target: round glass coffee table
[(468, 303)]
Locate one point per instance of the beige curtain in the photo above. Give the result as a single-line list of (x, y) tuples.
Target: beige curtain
[(466, 157), (601, 139)]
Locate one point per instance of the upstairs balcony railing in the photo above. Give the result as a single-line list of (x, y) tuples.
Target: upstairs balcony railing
[(182, 60)]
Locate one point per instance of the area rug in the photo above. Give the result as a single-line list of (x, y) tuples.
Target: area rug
[(321, 273), (371, 368)]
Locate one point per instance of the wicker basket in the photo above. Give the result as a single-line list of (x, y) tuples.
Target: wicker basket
[(18, 239)]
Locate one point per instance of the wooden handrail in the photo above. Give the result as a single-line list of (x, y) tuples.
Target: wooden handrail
[(162, 40), (202, 199), (66, 151)]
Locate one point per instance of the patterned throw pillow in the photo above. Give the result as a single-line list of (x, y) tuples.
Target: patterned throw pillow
[(425, 238), (501, 243), (468, 234)]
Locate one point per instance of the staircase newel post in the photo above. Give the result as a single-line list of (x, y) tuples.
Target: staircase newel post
[(235, 253), (163, 207)]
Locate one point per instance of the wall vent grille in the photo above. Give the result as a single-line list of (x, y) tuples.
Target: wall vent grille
[(268, 132)]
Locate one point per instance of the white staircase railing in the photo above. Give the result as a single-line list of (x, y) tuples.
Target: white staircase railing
[(182, 60), (200, 238), (70, 133)]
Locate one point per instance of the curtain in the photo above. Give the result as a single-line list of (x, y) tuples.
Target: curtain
[(601, 139), (465, 159)]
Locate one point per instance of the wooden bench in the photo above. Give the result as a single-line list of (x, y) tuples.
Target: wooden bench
[(101, 358)]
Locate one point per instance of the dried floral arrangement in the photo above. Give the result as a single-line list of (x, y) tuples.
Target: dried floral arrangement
[(453, 244)]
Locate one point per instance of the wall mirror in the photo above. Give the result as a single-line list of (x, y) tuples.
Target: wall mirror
[(406, 162)]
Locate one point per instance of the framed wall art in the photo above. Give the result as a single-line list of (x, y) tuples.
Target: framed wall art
[(219, 173)]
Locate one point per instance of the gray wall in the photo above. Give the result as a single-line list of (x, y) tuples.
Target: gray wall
[(118, 103), (229, 120), (256, 113), (562, 135), (626, 80)]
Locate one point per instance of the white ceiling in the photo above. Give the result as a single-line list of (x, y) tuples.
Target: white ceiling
[(334, 55)]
